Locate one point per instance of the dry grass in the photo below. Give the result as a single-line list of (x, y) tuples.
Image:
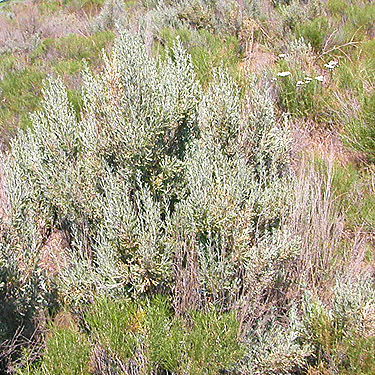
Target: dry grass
[(52, 254), (187, 286), (28, 26), (328, 249), (319, 225)]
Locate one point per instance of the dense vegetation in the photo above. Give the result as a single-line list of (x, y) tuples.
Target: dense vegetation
[(187, 187)]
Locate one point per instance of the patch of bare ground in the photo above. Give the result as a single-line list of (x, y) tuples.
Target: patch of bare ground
[(258, 58), (65, 320), (309, 139)]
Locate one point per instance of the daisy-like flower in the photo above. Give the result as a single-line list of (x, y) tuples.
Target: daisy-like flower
[(319, 78), (300, 83), (282, 55), (331, 65), (308, 79), (284, 74)]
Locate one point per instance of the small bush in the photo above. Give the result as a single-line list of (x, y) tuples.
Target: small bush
[(111, 14), (343, 334), (276, 346)]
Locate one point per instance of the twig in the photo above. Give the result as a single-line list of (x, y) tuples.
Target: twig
[(337, 47), (329, 38)]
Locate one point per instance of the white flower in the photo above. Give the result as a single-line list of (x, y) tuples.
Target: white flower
[(284, 74), (300, 83), (319, 78), (282, 55), (308, 79), (331, 65)]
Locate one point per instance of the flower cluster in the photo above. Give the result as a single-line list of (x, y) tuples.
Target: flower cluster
[(331, 65), (284, 74), (306, 80)]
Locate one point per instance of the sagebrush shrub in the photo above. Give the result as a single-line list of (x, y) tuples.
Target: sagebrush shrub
[(275, 346), (110, 177), (161, 186), (167, 174), (342, 334), (74, 168)]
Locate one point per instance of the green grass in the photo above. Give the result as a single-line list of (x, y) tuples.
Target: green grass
[(21, 91), (359, 128), (67, 352), (353, 189), (8, 63), (208, 51), (304, 100), (68, 67), (52, 6), (314, 31), (74, 47), (116, 326), (205, 343), (22, 81), (79, 47)]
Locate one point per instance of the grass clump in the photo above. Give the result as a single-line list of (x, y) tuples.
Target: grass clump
[(314, 31), (360, 131), (67, 353), (204, 343), (20, 92), (80, 47), (144, 335), (208, 51), (301, 92), (354, 192)]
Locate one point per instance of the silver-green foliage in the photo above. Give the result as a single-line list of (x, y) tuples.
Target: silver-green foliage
[(342, 333), (275, 347), (224, 16), (147, 141), (155, 168), (23, 293), (93, 176), (112, 13), (238, 184)]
